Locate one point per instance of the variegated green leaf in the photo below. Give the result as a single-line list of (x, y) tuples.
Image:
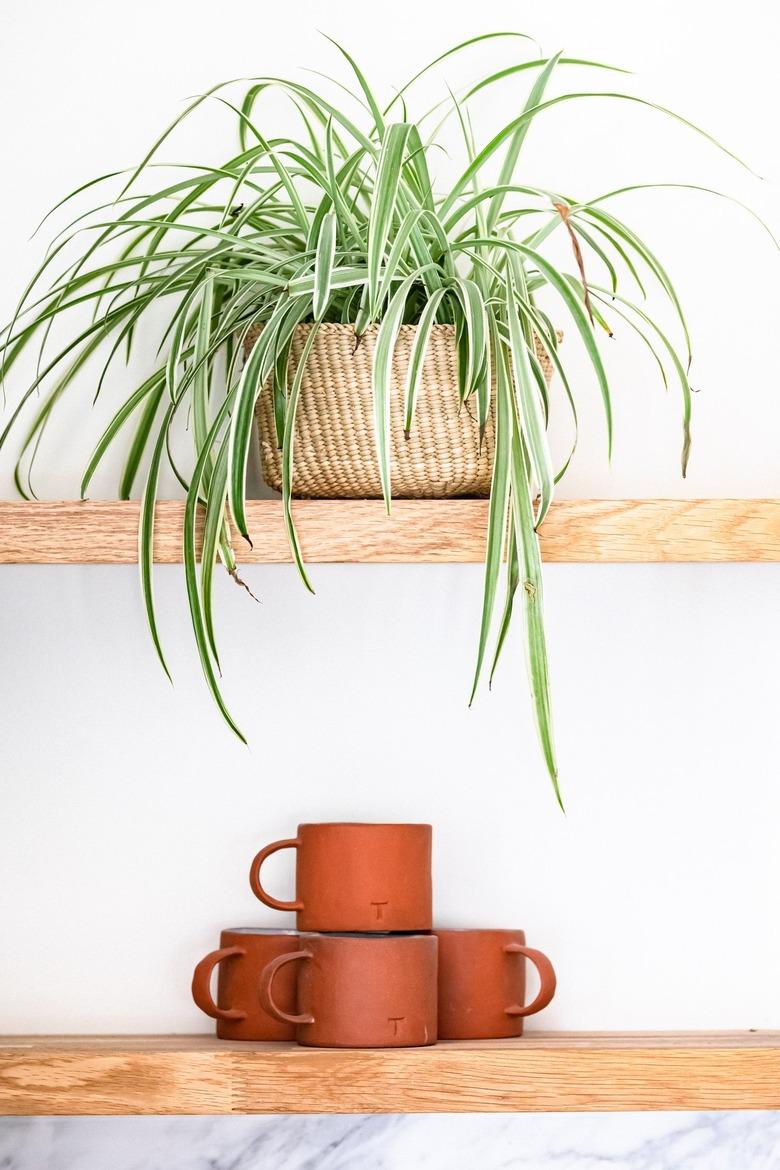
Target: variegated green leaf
[(288, 451), (498, 507), (532, 421), (323, 266), (382, 378), (384, 205), (417, 357)]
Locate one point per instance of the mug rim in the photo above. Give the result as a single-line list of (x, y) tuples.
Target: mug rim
[(268, 930), (364, 825), (367, 936), (478, 930)]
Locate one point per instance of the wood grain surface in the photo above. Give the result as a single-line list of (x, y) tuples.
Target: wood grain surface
[(540, 1072), (614, 531)]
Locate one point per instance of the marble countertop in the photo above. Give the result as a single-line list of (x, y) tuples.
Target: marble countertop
[(626, 1141)]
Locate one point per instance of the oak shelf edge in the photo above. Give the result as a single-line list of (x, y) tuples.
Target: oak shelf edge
[(427, 531), (560, 1072)]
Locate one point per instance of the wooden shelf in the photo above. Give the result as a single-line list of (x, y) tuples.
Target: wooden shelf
[(541, 1072), (104, 532)]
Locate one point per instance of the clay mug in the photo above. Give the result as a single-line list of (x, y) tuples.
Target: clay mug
[(482, 983), (356, 877), (358, 991), (242, 955)]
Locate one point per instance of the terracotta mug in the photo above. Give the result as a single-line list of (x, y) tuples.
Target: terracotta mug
[(242, 955), (358, 991), (360, 877), (482, 983)]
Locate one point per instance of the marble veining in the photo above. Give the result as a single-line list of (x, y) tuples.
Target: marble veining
[(623, 1141)]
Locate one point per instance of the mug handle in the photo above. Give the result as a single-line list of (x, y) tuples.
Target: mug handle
[(546, 979), (267, 1000), (201, 985), (254, 875)]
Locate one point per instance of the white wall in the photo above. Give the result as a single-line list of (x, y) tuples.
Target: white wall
[(130, 816)]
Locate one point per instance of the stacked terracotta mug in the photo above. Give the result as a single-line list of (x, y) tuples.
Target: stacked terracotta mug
[(366, 968)]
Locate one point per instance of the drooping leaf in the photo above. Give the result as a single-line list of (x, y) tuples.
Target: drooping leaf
[(531, 419), (498, 507), (288, 450)]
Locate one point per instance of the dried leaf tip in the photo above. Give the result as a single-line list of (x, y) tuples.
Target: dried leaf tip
[(240, 581), (565, 213)]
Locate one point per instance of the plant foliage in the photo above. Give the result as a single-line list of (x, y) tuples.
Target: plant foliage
[(343, 221)]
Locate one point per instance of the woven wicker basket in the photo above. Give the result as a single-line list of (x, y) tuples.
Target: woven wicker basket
[(335, 455)]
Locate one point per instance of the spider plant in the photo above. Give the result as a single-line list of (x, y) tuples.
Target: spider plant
[(343, 220)]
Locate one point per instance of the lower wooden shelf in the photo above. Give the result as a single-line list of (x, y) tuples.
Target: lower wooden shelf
[(544, 1072)]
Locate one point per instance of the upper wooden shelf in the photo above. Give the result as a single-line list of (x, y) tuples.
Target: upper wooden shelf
[(547, 1072), (105, 532)]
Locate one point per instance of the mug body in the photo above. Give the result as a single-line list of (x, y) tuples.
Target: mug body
[(364, 877), (367, 992), (482, 983), (241, 1015)]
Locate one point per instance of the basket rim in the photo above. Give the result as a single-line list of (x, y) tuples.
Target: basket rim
[(441, 332), (340, 327), (439, 328)]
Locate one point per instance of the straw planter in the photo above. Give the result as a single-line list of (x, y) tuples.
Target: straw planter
[(335, 451)]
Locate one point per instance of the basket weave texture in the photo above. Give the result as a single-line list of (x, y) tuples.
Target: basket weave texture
[(334, 452)]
